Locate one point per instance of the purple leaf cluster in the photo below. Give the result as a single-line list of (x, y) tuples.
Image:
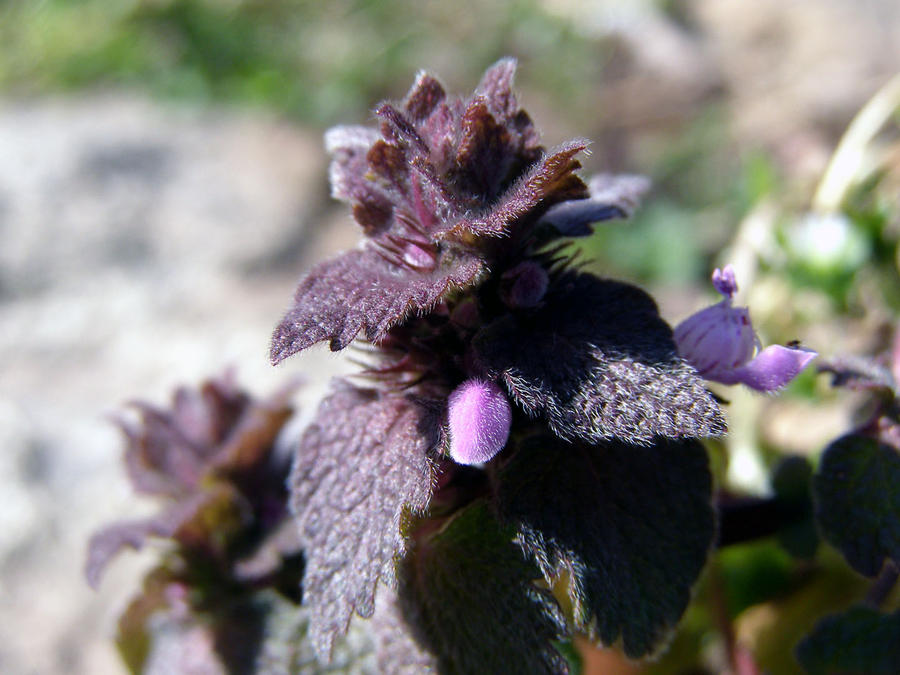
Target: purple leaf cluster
[(210, 460), (480, 331)]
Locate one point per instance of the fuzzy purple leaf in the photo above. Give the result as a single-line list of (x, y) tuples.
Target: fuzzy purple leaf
[(423, 97), (361, 467), (349, 146), (439, 171), (106, 544), (496, 88), (360, 290), (627, 527), (552, 178), (597, 361)]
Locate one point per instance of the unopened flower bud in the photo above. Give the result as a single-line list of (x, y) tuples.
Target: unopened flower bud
[(479, 418), (525, 284)]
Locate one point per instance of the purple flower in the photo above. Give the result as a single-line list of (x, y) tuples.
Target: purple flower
[(720, 343), (479, 418)]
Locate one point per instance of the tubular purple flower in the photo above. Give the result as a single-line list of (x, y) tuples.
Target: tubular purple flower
[(720, 343), (479, 418)]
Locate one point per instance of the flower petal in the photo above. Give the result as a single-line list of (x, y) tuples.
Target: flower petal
[(611, 196), (717, 340), (773, 367)]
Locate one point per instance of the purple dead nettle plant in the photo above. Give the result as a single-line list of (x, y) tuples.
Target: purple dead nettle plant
[(518, 460), (520, 418)]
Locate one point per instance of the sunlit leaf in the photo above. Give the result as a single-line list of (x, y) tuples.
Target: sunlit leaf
[(628, 526)]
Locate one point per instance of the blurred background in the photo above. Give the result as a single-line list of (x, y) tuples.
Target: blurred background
[(163, 185)]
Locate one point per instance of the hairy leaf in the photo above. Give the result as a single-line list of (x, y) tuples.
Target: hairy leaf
[(496, 89), (552, 178), (860, 640), (423, 97), (350, 179), (467, 594), (857, 499), (599, 363), (360, 290), (628, 526), (360, 467)]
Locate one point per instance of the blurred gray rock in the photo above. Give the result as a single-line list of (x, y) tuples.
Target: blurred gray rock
[(142, 247)]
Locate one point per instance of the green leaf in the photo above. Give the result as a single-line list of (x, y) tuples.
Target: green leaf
[(468, 595), (629, 526), (791, 483), (857, 501), (861, 640)]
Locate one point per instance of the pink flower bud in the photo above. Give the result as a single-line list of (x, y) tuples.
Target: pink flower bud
[(525, 284), (720, 343), (479, 418)]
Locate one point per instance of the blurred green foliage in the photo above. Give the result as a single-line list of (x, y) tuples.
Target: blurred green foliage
[(319, 62)]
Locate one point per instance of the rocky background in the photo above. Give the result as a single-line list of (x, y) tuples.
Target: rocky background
[(144, 246), (149, 239)]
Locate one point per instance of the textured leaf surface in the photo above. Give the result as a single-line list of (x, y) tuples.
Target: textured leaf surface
[(857, 498), (362, 291), (630, 526), (860, 640), (599, 363), (361, 465), (554, 176), (467, 593)]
